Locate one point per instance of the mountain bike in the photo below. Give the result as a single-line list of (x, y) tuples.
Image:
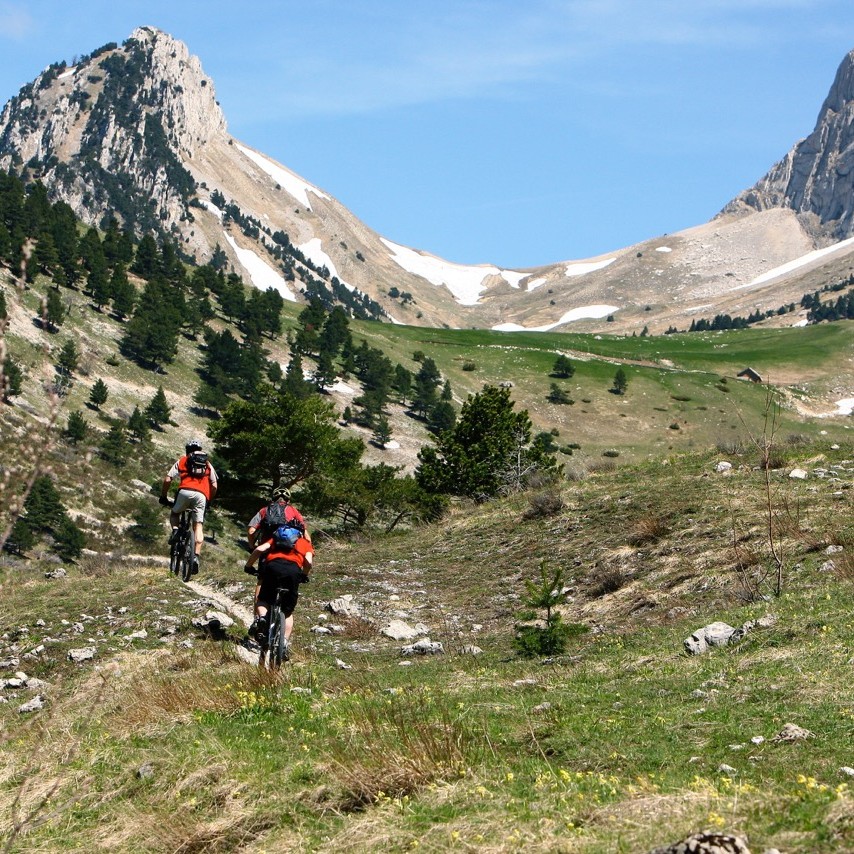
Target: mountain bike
[(274, 647), (183, 549)]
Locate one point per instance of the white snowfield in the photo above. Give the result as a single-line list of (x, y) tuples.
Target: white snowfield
[(797, 262), (663, 249), (581, 267), (465, 282), (845, 407), (583, 313), (207, 204), (293, 184), (262, 274), (313, 250)]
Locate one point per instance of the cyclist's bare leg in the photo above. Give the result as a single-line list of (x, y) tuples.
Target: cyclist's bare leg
[(198, 530), (289, 626)]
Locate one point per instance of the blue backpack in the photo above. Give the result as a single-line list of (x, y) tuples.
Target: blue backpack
[(286, 537)]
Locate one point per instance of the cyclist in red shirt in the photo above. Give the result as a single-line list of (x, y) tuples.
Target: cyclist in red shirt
[(288, 561)]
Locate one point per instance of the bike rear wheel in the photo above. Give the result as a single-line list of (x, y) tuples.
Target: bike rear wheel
[(188, 553)]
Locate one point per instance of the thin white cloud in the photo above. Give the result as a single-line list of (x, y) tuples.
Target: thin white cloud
[(15, 21), (469, 49)]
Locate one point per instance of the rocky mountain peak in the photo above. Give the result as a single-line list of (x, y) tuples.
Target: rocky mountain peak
[(816, 178), (841, 95), (177, 88), (113, 134)]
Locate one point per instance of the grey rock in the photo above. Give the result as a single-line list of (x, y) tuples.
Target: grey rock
[(423, 647), (79, 655), (471, 649), (792, 732), (399, 630), (723, 466), (145, 771), (706, 843), (344, 606), (32, 705), (714, 634), (59, 572)]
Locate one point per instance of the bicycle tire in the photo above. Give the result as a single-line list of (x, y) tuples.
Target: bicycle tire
[(188, 552), (277, 640), (175, 555)]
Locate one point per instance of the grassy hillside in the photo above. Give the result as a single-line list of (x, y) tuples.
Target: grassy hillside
[(166, 741)]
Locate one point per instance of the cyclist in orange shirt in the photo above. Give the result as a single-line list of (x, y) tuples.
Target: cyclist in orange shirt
[(197, 486)]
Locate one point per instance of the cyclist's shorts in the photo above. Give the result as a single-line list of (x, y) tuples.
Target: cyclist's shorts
[(284, 574), (192, 500)]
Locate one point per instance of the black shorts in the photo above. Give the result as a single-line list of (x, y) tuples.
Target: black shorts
[(280, 573)]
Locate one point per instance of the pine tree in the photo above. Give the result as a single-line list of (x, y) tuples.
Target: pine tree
[(98, 395), (621, 382), (11, 379), (114, 446), (68, 540), (138, 425), (563, 367), (123, 292), (382, 431), (148, 523), (158, 412), (550, 636), (53, 310), (68, 358), (76, 429), (43, 506), (21, 539)]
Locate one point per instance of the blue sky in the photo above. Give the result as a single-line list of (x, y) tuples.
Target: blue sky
[(492, 131)]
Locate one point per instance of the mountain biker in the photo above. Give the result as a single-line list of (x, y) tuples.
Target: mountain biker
[(289, 558), (197, 487), (259, 528)]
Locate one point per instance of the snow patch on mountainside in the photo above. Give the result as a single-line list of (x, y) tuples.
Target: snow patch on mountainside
[(586, 312), (579, 269), (293, 184), (465, 282), (262, 274), (313, 250), (795, 263)]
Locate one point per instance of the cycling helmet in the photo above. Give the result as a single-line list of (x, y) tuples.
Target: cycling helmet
[(287, 535), (193, 445), (281, 492)]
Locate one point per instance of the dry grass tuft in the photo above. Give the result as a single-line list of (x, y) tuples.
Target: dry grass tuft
[(543, 505), (358, 628), (397, 749), (608, 579), (648, 529)]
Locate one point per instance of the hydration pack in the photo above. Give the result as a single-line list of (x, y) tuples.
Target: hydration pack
[(197, 464)]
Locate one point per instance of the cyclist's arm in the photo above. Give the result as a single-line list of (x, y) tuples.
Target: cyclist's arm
[(256, 553), (164, 487)]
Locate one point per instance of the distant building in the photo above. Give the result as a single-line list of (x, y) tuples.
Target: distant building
[(749, 374)]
